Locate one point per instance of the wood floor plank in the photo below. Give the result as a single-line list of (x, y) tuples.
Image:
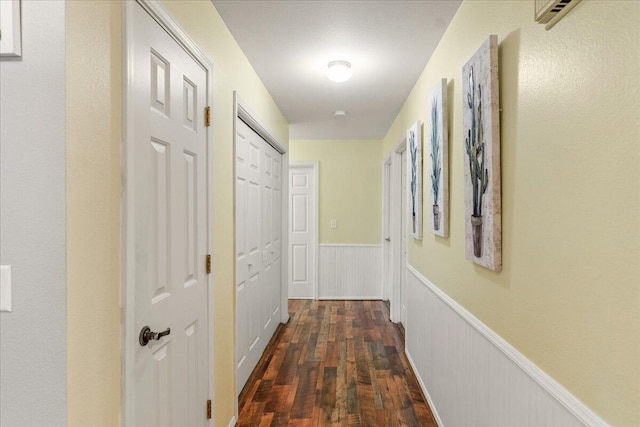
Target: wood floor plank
[(271, 373), (305, 399), (280, 419), (289, 368), (328, 396), (266, 420), (336, 363), (279, 399), (263, 391), (331, 358)]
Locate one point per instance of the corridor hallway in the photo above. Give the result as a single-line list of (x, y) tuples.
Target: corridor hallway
[(335, 363)]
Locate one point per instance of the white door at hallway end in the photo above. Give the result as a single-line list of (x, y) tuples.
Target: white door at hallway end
[(303, 230), (167, 233)]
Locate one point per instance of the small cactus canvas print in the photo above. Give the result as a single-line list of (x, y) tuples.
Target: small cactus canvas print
[(481, 125), (414, 177), (438, 160)]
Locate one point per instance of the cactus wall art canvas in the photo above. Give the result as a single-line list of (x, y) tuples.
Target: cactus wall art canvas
[(437, 160), (414, 177), (481, 126)]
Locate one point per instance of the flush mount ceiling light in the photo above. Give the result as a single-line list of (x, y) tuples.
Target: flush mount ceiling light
[(339, 71), (340, 113)]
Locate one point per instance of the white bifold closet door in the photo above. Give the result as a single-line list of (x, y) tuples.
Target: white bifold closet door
[(258, 247)]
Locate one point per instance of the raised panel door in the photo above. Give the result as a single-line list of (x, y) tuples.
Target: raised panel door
[(169, 189)]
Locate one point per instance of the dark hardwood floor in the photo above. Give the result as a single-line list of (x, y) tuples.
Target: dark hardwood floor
[(335, 363)]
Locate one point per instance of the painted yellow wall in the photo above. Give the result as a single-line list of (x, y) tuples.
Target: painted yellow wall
[(93, 76), (350, 188), (568, 297), (93, 185)]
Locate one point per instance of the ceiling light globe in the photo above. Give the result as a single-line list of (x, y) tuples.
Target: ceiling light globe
[(339, 71)]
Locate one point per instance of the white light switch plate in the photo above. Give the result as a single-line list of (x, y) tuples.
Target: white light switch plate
[(5, 288), (334, 223)]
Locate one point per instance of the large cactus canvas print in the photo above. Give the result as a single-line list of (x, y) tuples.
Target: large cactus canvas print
[(414, 177), (437, 160), (481, 125)]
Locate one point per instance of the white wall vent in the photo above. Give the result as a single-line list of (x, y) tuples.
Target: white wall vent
[(551, 11)]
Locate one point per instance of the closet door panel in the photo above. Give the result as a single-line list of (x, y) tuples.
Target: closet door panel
[(258, 245), (276, 230)]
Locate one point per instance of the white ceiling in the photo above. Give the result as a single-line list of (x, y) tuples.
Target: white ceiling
[(289, 44)]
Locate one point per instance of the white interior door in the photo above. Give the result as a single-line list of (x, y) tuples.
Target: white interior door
[(302, 231), (248, 252), (276, 240), (403, 224), (271, 239), (168, 219), (258, 247)]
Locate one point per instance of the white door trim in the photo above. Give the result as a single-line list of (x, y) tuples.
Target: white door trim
[(129, 336), (316, 174), (395, 231), (387, 270), (242, 111), (245, 114)]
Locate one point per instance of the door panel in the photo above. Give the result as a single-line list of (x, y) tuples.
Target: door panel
[(299, 204), (169, 193), (276, 239), (258, 237), (302, 232), (242, 255), (267, 236), (300, 259)]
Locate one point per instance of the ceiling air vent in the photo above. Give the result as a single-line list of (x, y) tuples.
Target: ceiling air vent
[(551, 11)]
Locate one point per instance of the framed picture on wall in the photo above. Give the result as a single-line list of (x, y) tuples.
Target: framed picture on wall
[(414, 177), (10, 33), (437, 160), (481, 126)]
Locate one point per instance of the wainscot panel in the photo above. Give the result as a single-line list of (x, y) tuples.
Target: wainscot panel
[(350, 271), (471, 376)]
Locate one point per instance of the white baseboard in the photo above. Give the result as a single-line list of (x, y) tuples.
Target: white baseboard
[(233, 421), (350, 271), (432, 406), (356, 298), (474, 376)]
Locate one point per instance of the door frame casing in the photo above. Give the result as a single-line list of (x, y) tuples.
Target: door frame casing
[(315, 166), (242, 111), (387, 225), (395, 226), (129, 336)]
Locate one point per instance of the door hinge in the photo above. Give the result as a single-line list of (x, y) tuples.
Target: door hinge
[(209, 409), (207, 116), (208, 264)]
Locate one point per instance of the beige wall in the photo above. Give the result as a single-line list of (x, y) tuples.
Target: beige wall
[(93, 212), (568, 297), (93, 204), (350, 187)]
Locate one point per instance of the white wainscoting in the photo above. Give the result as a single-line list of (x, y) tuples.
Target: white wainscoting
[(350, 271), (471, 376)]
